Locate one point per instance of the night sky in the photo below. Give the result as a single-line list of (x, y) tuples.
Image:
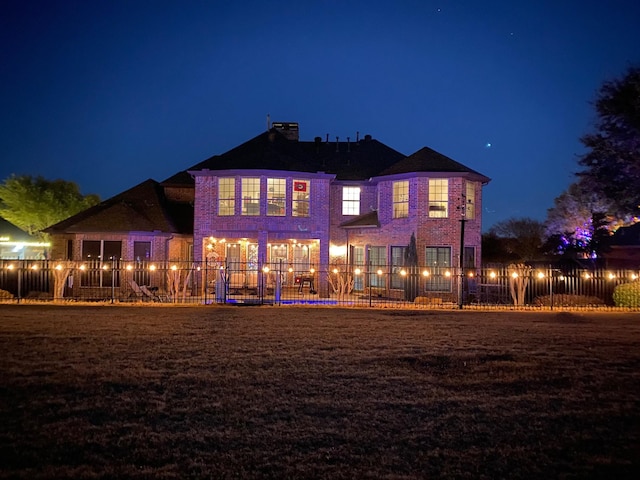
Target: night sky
[(110, 93)]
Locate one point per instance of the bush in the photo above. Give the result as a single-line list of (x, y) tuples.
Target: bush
[(564, 300), (4, 295), (627, 295)]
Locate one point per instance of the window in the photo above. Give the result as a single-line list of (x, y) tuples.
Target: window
[(439, 267), (397, 262), (100, 258), (350, 200), (233, 256), (276, 192), (377, 262), (438, 197), (300, 203), (278, 254), (401, 199), (141, 255), (470, 201), (226, 196), (357, 261), (251, 196), (469, 258)]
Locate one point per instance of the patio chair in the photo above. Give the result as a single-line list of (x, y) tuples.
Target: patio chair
[(136, 291), (153, 295)]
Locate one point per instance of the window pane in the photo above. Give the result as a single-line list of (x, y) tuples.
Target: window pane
[(397, 262), (251, 196), (226, 196), (377, 261), (300, 203), (400, 199), (350, 200), (438, 197), (91, 249), (276, 196), (439, 267), (141, 251), (470, 210)]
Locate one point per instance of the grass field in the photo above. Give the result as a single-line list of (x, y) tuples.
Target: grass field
[(268, 392)]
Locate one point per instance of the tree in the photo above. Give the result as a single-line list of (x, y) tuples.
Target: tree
[(412, 283), (34, 204), (520, 239), (578, 222), (612, 165)]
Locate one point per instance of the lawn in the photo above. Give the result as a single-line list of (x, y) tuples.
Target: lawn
[(289, 392)]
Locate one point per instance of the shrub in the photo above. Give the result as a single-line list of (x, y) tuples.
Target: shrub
[(627, 295), (4, 295), (564, 300)]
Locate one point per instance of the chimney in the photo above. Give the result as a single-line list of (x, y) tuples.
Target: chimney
[(367, 138), (288, 129)]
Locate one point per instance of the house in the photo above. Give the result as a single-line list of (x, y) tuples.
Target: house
[(16, 244), (296, 207)]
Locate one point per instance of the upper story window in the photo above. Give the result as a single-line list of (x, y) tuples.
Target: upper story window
[(276, 196), (300, 198), (251, 196), (470, 201), (226, 196), (438, 197), (350, 200), (401, 199)]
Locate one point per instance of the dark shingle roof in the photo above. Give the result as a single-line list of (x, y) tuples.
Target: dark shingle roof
[(141, 208), (428, 160), (272, 151), (8, 229)]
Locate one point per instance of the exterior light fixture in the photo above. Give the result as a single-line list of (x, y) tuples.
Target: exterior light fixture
[(379, 272), (174, 268), (403, 272)]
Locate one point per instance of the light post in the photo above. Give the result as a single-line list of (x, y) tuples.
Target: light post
[(461, 280)]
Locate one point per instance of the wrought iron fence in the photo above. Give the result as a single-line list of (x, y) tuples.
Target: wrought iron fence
[(225, 282)]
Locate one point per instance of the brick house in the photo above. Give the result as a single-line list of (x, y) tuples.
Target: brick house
[(297, 207)]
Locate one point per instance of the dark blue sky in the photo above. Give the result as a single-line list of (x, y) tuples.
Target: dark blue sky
[(110, 93)]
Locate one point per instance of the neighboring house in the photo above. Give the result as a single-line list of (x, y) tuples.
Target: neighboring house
[(624, 251), (301, 206), (15, 243)]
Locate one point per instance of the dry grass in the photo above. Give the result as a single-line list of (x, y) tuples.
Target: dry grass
[(268, 392)]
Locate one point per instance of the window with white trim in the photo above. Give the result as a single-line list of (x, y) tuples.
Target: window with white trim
[(350, 200), (470, 201), (250, 196), (226, 196), (401, 199), (438, 197), (438, 260), (300, 198), (276, 196)]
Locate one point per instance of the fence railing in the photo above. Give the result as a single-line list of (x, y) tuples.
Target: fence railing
[(121, 281)]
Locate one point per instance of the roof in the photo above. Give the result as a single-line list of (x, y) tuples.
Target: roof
[(428, 160), (141, 208), (8, 229), (273, 151), (366, 220)]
